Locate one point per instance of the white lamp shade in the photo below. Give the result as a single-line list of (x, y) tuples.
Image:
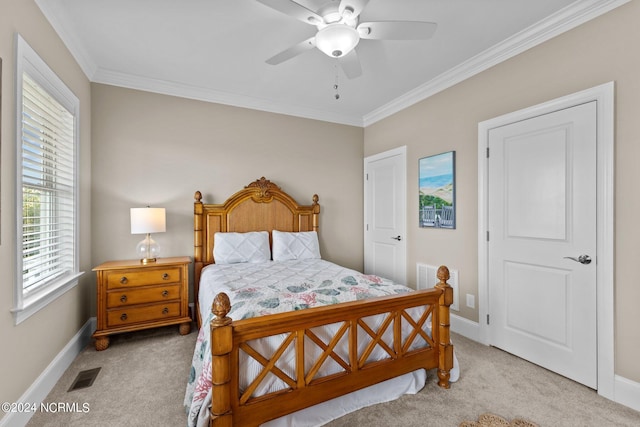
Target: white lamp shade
[(336, 40), (148, 220)]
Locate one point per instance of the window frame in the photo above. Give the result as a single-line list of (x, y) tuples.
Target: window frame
[(28, 302)]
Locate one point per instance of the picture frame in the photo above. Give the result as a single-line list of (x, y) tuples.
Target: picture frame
[(436, 191)]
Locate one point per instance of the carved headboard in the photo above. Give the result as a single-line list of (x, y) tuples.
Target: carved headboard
[(260, 206)]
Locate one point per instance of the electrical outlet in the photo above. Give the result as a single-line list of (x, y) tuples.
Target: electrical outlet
[(471, 301)]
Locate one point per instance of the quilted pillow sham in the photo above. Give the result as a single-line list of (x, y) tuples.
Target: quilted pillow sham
[(295, 245), (233, 248)]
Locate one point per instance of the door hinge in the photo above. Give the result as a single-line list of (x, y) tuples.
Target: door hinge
[(367, 176), (487, 235), (487, 152), (488, 319), (367, 227)]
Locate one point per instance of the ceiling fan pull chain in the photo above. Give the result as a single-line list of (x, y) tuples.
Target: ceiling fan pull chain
[(335, 85)]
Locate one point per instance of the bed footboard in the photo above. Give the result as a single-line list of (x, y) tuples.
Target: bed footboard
[(426, 313)]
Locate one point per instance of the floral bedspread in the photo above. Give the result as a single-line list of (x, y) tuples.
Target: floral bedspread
[(293, 289)]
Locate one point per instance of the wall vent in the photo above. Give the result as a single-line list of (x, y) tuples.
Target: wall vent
[(427, 277)]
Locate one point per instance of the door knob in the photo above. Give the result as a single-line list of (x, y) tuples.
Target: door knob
[(582, 259), (397, 238)]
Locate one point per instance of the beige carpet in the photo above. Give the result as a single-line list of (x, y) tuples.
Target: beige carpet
[(141, 383), (144, 375)]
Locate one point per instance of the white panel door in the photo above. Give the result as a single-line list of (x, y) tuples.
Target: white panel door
[(542, 233), (385, 217)]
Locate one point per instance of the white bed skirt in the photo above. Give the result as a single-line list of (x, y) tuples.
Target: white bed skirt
[(324, 412)]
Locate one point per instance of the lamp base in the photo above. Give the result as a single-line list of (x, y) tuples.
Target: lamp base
[(148, 249)]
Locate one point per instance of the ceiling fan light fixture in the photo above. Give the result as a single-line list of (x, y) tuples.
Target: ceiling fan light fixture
[(337, 40)]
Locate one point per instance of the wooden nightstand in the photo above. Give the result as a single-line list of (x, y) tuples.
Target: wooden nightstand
[(134, 296)]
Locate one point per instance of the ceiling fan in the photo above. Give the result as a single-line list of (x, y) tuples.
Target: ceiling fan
[(340, 31)]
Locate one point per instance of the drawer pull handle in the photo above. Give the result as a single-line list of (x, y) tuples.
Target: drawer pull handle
[(124, 280), (123, 317), (165, 276), (165, 310), (123, 298), (165, 293)]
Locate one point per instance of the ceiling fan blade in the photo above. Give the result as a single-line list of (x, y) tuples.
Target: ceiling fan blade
[(397, 30), (295, 50), (353, 8), (291, 8), (350, 64)]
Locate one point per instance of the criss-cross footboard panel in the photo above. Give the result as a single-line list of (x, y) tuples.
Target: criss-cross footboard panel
[(405, 333)]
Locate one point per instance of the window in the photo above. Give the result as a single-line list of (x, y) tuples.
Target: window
[(47, 146)]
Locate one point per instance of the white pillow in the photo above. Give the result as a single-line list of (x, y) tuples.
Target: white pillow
[(298, 245), (233, 248)]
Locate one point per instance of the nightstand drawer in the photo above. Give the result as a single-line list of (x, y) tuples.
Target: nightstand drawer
[(125, 316), (126, 297), (141, 277)]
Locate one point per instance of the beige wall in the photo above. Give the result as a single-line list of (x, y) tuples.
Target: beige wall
[(602, 50), (29, 347), (158, 150)]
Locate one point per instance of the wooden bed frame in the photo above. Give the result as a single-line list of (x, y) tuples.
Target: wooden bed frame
[(263, 206)]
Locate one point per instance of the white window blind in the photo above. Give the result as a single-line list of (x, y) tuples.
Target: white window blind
[(47, 144), (48, 199)]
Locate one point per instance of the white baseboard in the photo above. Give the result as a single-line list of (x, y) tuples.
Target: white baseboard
[(465, 327), (41, 387), (626, 392)]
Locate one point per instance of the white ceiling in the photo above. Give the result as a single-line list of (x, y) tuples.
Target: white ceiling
[(215, 50)]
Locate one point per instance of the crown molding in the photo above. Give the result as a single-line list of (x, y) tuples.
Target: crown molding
[(100, 75), (52, 13), (562, 21), (165, 87)]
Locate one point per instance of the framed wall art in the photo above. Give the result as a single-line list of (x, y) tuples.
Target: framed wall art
[(437, 189)]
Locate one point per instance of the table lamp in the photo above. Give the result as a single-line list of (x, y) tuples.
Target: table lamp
[(146, 221)]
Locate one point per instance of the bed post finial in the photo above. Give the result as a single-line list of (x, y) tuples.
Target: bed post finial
[(220, 308), (443, 274), (221, 346), (445, 358)]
